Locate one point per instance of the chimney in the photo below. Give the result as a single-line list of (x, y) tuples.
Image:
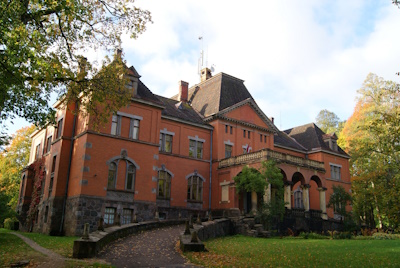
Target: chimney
[(183, 91), (272, 119), (118, 53), (205, 74)]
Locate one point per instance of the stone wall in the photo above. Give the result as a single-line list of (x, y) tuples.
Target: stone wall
[(87, 248)]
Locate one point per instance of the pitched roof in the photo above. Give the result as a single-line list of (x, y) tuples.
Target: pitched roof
[(282, 139), (217, 93), (311, 137), (143, 93), (181, 110)]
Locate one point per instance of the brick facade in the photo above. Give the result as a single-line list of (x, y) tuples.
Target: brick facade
[(167, 157)]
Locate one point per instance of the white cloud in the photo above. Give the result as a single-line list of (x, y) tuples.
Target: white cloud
[(296, 57)]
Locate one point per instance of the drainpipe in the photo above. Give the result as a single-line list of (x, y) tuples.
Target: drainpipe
[(209, 195), (69, 169)]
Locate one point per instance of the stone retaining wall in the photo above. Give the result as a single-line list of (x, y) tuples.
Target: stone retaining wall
[(88, 248)]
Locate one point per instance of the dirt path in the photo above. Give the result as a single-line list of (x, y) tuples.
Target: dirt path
[(153, 248)]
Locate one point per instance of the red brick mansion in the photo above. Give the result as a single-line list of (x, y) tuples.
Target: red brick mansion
[(171, 157)]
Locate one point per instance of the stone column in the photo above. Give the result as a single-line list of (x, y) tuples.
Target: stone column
[(288, 195), (253, 202), (322, 202), (306, 197), (267, 194)]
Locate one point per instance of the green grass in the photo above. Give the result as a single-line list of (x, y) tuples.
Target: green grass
[(240, 251), (62, 245), (13, 249)]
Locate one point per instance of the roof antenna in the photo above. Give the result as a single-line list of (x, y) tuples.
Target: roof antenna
[(201, 58)]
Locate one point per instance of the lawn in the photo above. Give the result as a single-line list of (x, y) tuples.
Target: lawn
[(240, 251), (13, 249), (62, 245)]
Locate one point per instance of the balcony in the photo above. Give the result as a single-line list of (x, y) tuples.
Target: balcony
[(266, 154)]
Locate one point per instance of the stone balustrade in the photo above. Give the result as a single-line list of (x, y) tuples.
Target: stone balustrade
[(266, 154)]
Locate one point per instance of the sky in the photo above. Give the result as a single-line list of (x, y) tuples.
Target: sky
[(296, 57)]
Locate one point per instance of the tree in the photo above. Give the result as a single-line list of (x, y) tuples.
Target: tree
[(329, 122), (339, 199), (12, 160), (372, 138), (253, 180), (40, 47)]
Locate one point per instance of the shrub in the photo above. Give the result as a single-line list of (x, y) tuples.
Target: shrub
[(11, 224), (312, 236), (385, 236), (342, 235)]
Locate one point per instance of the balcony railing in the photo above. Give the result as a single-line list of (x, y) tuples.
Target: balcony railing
[(266, 154)]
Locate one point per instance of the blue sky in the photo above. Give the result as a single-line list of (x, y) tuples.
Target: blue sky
[(296, 57)]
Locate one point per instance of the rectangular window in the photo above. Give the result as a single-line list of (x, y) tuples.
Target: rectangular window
[(53, 165), (228, 150), (37, 152), (48, 144), (196, 149), (163, 184), (134, 129), (59, 127), (248, 134), (130, 177), (226, 128), (231, 131), (265, 138), (195, 189), (335, 172), (51, 186), (116, 125), (165, 143), (244, 133), (109, 216), (127, 215)]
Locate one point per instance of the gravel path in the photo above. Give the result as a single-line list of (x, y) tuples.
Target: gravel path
[(153, 248)]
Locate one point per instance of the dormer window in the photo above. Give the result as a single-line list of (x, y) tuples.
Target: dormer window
[(331, 141)]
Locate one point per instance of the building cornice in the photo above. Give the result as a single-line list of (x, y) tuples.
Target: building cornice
[(240, 122), (320, 150), (209, 127)]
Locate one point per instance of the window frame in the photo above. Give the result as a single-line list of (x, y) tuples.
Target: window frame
[(115, 125), (196, 148), (109, 215), (60, 127), (194, 188), (114, 175), (228, 150), (336, 172), (48, 143), (165, 186), (127, 216), (128, 165), (134, 128), (37, 151), (164, 142)]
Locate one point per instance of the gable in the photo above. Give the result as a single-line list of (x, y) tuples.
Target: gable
[(246, 113)]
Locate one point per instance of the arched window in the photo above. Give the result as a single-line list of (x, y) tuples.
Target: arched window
[(164, 184), (298, 198), (112, 174), (130, 177), (195, 188)]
